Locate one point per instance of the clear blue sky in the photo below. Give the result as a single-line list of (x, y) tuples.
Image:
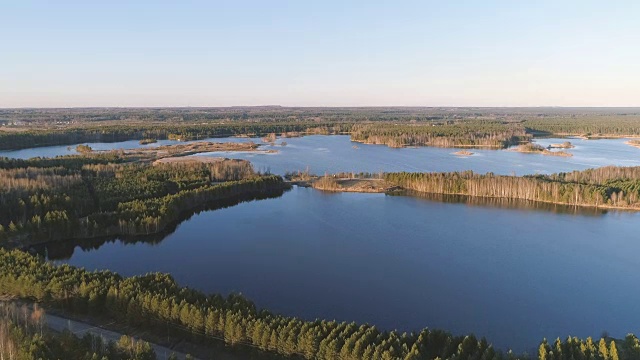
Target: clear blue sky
[(319, 53)]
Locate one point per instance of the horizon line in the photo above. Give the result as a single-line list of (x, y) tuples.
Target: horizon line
[(316, 107)]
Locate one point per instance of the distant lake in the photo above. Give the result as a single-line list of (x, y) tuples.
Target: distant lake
[(336, 153), (514, 273)]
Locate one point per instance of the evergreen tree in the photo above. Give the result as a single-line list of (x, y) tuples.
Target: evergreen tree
[(543, 350), (603, 350), (613, 351)]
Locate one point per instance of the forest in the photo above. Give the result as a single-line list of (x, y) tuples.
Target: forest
[(24, 336), (106, 194), (611, 186), (154, 300)]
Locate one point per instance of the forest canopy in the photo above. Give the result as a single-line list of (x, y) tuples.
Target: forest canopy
[(84, 197)]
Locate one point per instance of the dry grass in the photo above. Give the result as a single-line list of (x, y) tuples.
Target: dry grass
[(328, 183)]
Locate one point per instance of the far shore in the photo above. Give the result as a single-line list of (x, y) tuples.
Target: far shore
[(589, 136), (497, 147)]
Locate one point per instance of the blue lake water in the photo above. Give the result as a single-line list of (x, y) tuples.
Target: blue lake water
[(337, 153), (513, 275)]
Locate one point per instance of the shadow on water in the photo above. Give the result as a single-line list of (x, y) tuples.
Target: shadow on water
[(63, 250), (505, 203)]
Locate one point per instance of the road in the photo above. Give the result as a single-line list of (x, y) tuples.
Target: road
[(80, 329)]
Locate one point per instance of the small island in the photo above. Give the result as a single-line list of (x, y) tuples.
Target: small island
[(84, 149), (564, 145), (463, 153), (341, 184), (538, 149), (148, 141)]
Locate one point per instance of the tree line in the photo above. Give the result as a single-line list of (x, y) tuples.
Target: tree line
[(605, 187), (583, 349)]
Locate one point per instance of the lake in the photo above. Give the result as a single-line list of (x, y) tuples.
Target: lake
[(511, 274), (336, 153), (514, 272)]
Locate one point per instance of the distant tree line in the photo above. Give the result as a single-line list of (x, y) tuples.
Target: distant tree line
[(80, 116), (584, 125), (463, 134)]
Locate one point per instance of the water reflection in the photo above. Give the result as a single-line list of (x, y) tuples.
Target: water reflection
[(505, 203), (64, 250)]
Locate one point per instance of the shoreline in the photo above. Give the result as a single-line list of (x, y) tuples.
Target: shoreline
[(165, 229), (588, 137), (634, 143), (545, 152), (395, 188), (606, 207)]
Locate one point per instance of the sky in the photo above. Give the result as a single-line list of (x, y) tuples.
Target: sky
[(319, 53)]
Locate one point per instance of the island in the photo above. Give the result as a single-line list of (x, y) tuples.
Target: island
[(538, 149), (148, 141)]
